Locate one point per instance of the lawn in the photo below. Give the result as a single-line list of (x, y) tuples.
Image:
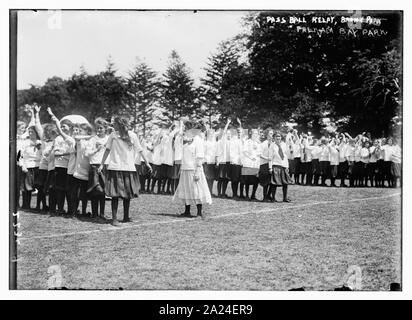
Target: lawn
[(308, 243)]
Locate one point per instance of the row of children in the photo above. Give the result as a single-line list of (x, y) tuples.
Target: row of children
[(365, 162), (63, 160)]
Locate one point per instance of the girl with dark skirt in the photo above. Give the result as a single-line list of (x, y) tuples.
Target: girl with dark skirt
[(63, 144), (122, 180), (31, 158), (50, 182), (148, 151), (315, 152), (82, 168), (192, 188), (223, 161), (94, 151), (157, 162), (279, 167), (307, 159), (357, 169), (235, 155), (324, 161), (209, 165), (365, 156), (250, 164), (297, 151), (334, 161), (141, 166), (387, 164), (264, 172), (380, 175), (350, 156), (71, 166), (21, 141), (343, 163), (396, 165), (372, 165), (167, 169), (178, 154)]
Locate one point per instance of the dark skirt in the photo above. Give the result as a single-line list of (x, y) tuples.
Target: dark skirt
[(343, 169), (304, 167), (280, 176), (324, 168), (29, 179), (156, 174), (298, 165), (41, 178), (165, 171), (371, 169), (96, 183), (291, 166), (396, 170), (70, 183), (380, 168), (249, 176), (308, 168), (315, 166), (50, 181), (333, 171), (387, 169), (210, 171), (358, 169), (122, 184), (264, 175), (174, 171), (80, 189), (224, 171), (235, 172), (61, 179)]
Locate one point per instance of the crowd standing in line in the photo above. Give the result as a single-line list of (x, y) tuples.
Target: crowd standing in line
[(69, 163)]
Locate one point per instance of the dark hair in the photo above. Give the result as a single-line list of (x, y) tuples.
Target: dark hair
[(123, 124), (100, 122), (86, 127), (68, 123), (35, 131), (49, 129)]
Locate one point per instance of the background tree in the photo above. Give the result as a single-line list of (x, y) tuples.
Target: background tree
[(318, 67), (142, 94), (178, 94)]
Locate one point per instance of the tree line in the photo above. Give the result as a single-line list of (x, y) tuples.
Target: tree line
[(268, 75)]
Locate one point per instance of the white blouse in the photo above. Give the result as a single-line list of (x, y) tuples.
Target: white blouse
[(191, 153), (251, 149)]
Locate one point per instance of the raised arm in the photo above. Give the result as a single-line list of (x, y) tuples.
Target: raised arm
[(37, 124), (226, 126), (57, 123)]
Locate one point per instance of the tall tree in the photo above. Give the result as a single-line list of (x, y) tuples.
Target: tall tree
[(112, 90), (178, 90), (142, 94), (225, 83), (313, 62)]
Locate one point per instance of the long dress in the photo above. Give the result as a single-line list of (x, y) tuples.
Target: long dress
[(189, 191)]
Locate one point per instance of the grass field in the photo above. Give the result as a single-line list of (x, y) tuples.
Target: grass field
[(308, 243)]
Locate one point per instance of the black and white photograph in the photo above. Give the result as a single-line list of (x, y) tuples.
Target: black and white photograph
[(206, 150)]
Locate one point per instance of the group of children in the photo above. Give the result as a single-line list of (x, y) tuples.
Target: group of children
[(73, 163)]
